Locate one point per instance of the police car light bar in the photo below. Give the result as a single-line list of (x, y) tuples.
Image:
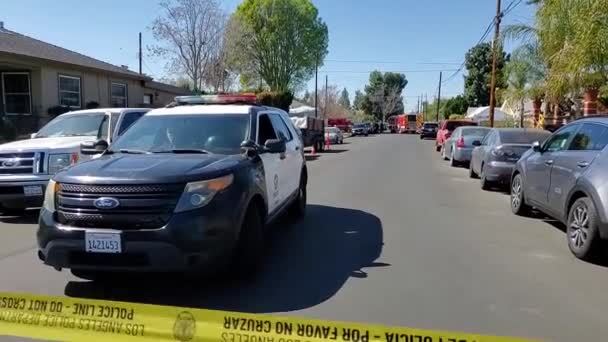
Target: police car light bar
[(217, 99)]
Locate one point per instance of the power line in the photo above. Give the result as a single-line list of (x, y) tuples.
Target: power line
[(383, 71), (483, 37), (361, 61)]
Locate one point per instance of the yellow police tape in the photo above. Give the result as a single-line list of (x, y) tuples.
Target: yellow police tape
[(58, 318)]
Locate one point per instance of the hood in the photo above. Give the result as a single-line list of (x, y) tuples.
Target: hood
[(45, 143), (150, 168)]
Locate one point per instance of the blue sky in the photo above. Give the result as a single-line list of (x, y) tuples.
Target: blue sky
[(388, 35)]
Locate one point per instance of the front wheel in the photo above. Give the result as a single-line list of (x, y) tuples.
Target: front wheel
[(485, 184), (250, 244), (518, 204), (298, 207), (582, 230)]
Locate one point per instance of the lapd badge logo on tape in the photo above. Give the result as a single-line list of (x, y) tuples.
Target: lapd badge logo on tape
[(184, 328)]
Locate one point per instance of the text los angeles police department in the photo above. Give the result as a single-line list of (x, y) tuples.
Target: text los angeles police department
[(80, 316)]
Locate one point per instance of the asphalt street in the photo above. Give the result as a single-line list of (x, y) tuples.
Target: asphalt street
[(393, 236)]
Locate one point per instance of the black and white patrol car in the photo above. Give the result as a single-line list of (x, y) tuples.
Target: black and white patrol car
[(188, 188)]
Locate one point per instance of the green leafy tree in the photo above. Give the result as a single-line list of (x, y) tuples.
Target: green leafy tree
[(456, 105), (344, 100), (279, 40), (383, 94), (478, 62)]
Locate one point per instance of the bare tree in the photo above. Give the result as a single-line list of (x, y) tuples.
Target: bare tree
[(387, 99), (331, 108), (189, 34)]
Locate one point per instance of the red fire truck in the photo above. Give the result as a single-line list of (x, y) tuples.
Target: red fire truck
[(406, 123), (342, 123)]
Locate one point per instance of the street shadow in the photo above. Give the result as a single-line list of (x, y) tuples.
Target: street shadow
[(310, 157), (28, 217), (307, 263), (334, 151)]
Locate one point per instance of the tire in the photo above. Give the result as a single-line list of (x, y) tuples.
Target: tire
[(421, 138), (99, 276), (485, 184), (298, 207), (518, 202), (250, 245), (582, 230), (453, 162), (472, 173)]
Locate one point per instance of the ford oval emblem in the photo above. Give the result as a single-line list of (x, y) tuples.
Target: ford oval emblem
[(10, 163), (106, 203)]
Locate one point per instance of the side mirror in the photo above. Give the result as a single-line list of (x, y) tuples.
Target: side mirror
[(476, 143), (275, 146), (93, 147), (536, 146), (33, 135), (250, 148)]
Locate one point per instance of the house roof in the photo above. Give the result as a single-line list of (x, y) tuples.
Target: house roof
[(167, 88), (19, 44)]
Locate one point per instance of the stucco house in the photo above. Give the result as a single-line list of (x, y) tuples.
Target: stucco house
[(36, 76)]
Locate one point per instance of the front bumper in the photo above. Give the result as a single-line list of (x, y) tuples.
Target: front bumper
[(499, 171), (200, 240), (428, 134), (12, 195)]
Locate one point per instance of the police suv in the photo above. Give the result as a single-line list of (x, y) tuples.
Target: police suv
[(188, 188)]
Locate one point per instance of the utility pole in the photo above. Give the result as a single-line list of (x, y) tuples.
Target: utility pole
[(140, 57), (316, 88), (495, 46), (426, 105), (326, 99), (439, 95)]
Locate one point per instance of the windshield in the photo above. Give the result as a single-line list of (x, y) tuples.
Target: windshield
[(523, 137), (332, 130), (359, 126), (217, 133), (477, 131), (430, 125), (90, 124), (452, 125)]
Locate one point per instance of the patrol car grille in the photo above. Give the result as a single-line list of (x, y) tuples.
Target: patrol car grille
[(21, 163), (141, 206)]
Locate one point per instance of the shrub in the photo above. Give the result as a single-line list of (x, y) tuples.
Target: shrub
[(57, 110), (456, 117), (92, 105), (280, 100), (8, 131)]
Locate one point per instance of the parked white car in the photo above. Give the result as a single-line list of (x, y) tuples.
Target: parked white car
[(27, 165)]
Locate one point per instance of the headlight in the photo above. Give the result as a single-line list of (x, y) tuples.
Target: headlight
[(58, 162), (199, 194), (498, 153), (49, 196)]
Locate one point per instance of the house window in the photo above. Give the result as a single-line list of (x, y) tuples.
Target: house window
[(69, 91), (16, 93), (119, 95), (148, 98)]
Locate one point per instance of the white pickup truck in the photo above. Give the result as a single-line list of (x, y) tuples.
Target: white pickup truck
[(27, 165)]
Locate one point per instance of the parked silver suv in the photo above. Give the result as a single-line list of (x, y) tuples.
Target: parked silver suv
[(566, 178)]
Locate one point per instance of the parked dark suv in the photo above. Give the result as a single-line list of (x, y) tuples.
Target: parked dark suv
[(566, 178), (188, 188)]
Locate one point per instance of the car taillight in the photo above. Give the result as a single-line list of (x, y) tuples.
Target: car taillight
[(460, 142)]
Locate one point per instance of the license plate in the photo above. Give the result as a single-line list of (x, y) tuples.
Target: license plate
[(102, 242), (32, 190)]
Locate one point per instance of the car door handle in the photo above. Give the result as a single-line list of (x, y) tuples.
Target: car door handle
[(549, 162), (582, 164)]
